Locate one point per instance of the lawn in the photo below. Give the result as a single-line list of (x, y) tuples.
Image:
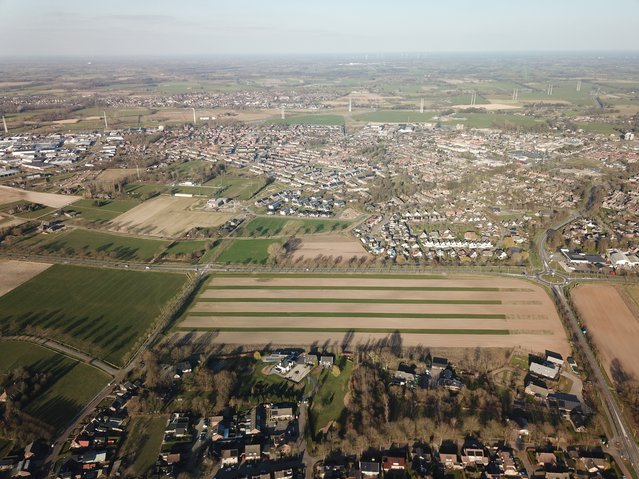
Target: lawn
[(519, 361), (328, 401), (237, 185), (143, 442), (92, 213), (102, 312), (144, 191), (265, 226), (91, 243), (246, 251), (71, 387)]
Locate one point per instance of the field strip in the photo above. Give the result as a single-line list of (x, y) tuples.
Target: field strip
[(330, 275), (358, 330), (333, 314), (372, 294), (350, 300), (365, 288)]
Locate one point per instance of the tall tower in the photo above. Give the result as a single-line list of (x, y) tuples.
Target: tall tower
[(283, 114), (578, 85)]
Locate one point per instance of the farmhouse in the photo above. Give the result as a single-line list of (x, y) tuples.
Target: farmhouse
[(544, 369)]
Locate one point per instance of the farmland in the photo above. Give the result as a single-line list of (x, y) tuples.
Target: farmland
[(271, 226), (14, 273), (454, 311), (611, 315), (246, 251), (235, 185), (93, 212), (94, 244), (70, 387), (10, 195), (103, 312), (166, 216)]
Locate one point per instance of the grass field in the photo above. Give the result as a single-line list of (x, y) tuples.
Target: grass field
[(246, 251), (72, 384), (90, 213), (142, 443), (328, 403), (141, 190), (45, 210), (265, 226), (102, 312), (396, 116), (184, 249), (309, 120), (236, 185), (489, 120), (434, 310), (90, 243)]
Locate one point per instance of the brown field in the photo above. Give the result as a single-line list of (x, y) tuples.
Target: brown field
[(330, 245), (68, 121), (14, 273), (8, 221), (529, 316), (492, 106), (9, 195), (114, 174), (166, 216), (611, 323)]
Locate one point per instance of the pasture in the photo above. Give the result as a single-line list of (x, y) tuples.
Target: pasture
[(267, 226), (246, 251), (95, 244), (101, 312), (99, 212), (435, 311), (14, 273), (236, 185), (70, 387)]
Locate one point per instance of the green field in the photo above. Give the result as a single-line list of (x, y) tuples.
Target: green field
[(236, 185), (143, 442), (328, 402), (102, 312), (265, 226), (71, 386), (90, 212), (340, 314), (45, 210), (397, 116), (91, 243), (309, 120), (354, 300), (186, 250), (145, 191), (246, 251), (294, 329), (490, 120), (362, 288)]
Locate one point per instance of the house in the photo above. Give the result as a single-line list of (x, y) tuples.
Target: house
[(393, 462), (283, 474), (182, 368), (507, 466), (229, 456), (369, 468), (564, 402), (326, 360), (536, 387), (252, 452), (546, 459), (555, 358), (473, 453), (544, 369), (448, 455)]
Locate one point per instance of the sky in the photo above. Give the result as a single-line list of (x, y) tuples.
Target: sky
[(87, 28)]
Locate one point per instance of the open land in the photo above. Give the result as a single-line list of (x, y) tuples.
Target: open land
[(14, 273), (166, 216), (334, 245), (103, 312), (10, 195), (449, 311), (611, 323), (71, 386)]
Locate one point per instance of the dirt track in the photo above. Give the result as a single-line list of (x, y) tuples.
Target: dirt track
[(14, 273), (9, 195), (611, 323)]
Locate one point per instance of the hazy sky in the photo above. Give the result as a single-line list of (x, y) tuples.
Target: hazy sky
[(212, 27)]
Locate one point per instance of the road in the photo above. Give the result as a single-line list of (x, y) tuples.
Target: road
[(622, 445)]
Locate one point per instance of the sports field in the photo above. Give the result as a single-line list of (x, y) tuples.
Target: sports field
[(71, 385), (438, 311), (101, 312)]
